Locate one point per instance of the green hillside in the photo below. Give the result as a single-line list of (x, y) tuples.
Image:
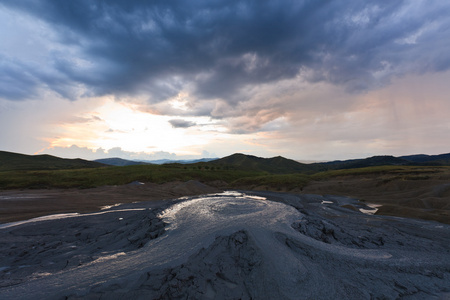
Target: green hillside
[(14, 161)]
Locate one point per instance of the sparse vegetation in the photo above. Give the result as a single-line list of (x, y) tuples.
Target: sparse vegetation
[(404, 172), (283, 182), (61, 173), (87, 178)]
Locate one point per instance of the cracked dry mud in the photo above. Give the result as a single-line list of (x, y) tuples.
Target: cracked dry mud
[(228, 246)]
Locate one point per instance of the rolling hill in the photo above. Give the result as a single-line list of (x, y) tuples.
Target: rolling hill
[(10, 161), (281, 165), (382, 160), (441, 159), (276, 165), (386, 160)]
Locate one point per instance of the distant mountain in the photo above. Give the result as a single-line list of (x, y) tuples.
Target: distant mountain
[(441, 159), (281, 165), (183, 161), (278, 164), (119, 162), (115, 161), (384, 160), (10, 161)]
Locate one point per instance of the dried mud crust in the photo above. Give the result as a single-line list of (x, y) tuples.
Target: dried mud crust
[(234, 267), (372, 234), (224, 270), (73, 242)]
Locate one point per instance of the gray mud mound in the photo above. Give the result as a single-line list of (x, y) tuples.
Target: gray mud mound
[(229, 246), (329, 232), (228, 269)]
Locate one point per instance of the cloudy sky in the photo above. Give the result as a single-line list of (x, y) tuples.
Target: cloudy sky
[(308, 80)]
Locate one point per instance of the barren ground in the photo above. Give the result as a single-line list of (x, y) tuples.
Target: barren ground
[(423, 196), (17, 205)]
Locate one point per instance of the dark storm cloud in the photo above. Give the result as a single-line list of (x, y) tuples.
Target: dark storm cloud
[(219, 48), (16, 82), (179, 123), (19, 80)]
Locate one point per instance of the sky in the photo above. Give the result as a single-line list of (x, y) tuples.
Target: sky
[(307, 80)]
